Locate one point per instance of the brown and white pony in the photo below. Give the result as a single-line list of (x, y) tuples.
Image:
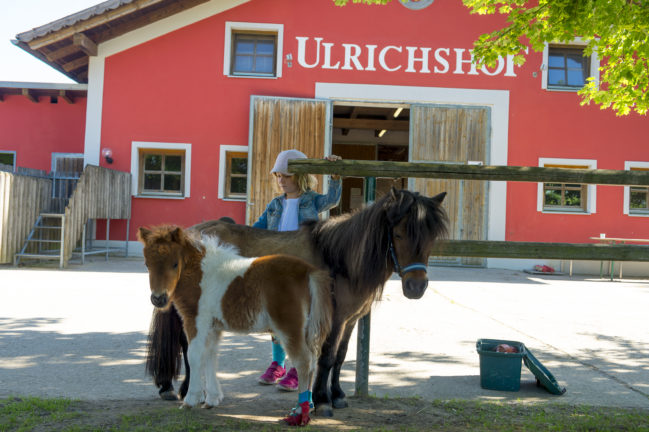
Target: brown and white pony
[(214, 290), (360, 251)]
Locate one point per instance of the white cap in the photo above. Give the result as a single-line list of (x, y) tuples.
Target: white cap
[(281, 163)]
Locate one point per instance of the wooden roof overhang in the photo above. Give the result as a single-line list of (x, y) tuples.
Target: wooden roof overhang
[(66, 44), (33, 91)]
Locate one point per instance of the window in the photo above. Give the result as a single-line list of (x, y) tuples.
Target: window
[(233, 169), (8, 158), (253, 54), (253, 50), (636, 198), (566, 197), (160, 170), (566, 69)]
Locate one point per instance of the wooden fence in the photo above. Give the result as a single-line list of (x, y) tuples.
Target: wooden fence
[(498, 249), (22, 199), (100, 194)]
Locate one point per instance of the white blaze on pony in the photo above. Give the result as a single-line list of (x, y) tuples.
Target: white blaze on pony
[(214, 289)]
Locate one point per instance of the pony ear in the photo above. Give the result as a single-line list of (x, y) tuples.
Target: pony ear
[(177, 235), (437, 199), (393, 192), (143, 234)]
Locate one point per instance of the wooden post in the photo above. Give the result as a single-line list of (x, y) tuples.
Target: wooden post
[(363, 329)]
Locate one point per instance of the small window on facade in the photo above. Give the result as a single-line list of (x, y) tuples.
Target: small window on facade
[(236, 177), (253, 54), (8, 159), (639, 197), (565, 196), (567, 67), (161, 172)]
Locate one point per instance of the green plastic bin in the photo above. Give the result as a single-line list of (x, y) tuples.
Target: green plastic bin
[(500, 370)]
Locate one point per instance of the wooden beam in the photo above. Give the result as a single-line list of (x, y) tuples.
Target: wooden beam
[(352, 115), (85, 44), (540, 250), (62, 52), (90, 23), (76, 64), (29, 95), (393, 125), (358, 168), (64, 95)]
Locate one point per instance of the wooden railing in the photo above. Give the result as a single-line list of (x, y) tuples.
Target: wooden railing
[(22, 199), (100, 194)]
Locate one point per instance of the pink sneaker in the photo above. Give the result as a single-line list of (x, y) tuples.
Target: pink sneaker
[(272, 374), (289, 383)]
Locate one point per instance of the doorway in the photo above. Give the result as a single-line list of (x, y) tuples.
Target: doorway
[(369, 132)]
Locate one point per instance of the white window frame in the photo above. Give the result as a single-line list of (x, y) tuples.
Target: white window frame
[(577, 43), (627, 189), (591, 198), (15, 157), (223, 169), (232, 26), (136, 146)]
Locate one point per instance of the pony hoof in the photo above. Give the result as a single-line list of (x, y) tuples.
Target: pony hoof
[(207, 406), (185, 406), (324, 411), (340, 403), (169, 395)]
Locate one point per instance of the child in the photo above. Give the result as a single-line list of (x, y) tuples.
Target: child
[(298, 203)]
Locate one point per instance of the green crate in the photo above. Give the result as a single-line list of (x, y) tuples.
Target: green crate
[(499, 370)]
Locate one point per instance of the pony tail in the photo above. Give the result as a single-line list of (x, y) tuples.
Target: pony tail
[(163, 359), (321, 311)]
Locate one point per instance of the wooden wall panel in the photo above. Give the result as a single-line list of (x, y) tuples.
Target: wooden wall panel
[(280, 124), (454, 135)]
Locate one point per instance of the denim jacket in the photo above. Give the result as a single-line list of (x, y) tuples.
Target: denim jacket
[(311, 203)]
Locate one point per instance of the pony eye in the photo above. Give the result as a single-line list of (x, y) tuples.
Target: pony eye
[(175, 265), (398, 236)]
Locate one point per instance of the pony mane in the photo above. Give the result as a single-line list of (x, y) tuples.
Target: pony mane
[(357, 245), (215, 246)]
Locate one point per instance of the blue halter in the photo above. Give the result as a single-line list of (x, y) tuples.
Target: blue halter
[(401, 271)]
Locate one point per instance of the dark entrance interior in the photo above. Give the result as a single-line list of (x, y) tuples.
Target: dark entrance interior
[(377, 132)]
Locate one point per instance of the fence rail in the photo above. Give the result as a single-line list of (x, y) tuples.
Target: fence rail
[(490, 248), (360, 168)]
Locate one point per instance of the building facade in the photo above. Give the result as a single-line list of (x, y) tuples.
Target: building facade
[(197, 100)]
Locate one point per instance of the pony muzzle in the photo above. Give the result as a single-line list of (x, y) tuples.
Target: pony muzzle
[(414, 288), (159, 300)]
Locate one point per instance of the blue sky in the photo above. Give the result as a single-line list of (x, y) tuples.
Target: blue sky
[(17, 16)]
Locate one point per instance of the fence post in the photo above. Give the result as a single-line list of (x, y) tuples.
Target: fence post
[(363, 329)]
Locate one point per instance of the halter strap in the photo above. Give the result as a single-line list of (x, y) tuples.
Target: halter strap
[(401, 271)]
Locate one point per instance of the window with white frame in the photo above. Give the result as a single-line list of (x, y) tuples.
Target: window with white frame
[(160, 170), (566, 197), (8, 158), (253, 50), (233, 172), (636, 198), (566, 68)]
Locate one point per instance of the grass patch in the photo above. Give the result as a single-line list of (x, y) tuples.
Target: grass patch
[(371, 414)]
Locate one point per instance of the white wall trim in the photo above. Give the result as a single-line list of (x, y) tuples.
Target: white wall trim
[(231, 26), (627, 189), (135, 163), (136, 37), (498, 100), (222, 168), (591, 205)]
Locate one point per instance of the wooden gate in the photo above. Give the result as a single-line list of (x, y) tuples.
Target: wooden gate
[(280, 124), (453, 135)]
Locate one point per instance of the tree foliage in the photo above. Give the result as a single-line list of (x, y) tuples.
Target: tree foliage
[(616, 30)]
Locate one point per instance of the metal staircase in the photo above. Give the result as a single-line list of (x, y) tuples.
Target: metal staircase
[(45, 241)]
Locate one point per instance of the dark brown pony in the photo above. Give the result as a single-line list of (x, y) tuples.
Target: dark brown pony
[(360, 251)]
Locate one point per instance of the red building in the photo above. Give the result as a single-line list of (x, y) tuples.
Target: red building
[(195, 98)]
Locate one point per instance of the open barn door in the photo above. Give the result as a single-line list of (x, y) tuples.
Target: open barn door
[(455, 135), (278, 124)]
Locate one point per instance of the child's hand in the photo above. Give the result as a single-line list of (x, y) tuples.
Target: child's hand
[(333, 158)]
